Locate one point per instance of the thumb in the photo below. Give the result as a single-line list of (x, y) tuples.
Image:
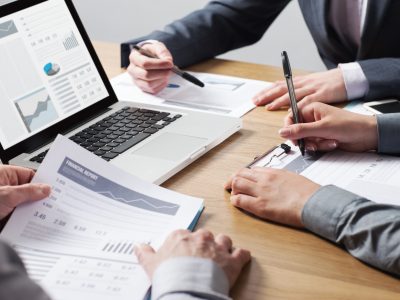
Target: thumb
[(303, 130), (162, 52), (18, 194), (144, 253)]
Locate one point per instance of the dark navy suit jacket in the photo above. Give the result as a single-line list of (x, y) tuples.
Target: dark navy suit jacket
[(229, 24)]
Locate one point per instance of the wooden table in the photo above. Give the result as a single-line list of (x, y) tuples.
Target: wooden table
[(287, 263)]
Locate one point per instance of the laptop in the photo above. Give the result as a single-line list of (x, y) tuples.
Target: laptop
[(52, 82)]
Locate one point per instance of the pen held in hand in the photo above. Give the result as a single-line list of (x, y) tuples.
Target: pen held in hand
[(175, 69), (292, 96)]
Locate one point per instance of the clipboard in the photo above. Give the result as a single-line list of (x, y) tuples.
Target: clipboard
[(284, 149)]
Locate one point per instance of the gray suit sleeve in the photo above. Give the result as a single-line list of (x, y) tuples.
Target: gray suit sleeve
[(368, 230), (217, 28), (389, 133), (193, 278), (14, 281), (383, 75)]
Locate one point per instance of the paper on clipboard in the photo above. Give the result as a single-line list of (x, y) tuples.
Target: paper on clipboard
[(373, 176)]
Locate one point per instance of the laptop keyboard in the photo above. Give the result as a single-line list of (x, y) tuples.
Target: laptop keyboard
[(119, 132)]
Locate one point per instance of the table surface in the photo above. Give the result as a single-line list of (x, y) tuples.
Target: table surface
[(286, 263)]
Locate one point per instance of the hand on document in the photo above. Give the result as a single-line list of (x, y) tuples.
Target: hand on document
[(326, 128), (15, 188), (183, 243), (327, 87), (151, 74), (271, 194)]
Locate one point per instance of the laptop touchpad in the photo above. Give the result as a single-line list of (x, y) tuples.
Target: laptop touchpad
[(171, 146)]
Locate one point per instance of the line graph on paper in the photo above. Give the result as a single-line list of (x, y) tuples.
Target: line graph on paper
[(140, 201), (114, 191)]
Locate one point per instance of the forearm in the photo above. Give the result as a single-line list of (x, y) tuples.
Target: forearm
[(383, 75), (14, 281), (189, 278), (369, 231), (219, 27)]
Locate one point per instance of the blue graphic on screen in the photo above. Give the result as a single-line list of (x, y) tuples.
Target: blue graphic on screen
[(112, 190), (51, 69), (36, 110)]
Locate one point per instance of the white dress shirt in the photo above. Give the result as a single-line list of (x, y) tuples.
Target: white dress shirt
[(354, 78)]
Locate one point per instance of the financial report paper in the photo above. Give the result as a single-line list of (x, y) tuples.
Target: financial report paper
[(224, 95), (373, 176), (78, 243)]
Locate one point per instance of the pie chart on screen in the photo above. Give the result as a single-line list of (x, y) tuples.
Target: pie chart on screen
[(51, 69)]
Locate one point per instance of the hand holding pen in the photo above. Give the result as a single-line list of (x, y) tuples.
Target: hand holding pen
[(287, 70), (151, 66)]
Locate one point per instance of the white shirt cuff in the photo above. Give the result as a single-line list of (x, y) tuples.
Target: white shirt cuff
[(356, 82)]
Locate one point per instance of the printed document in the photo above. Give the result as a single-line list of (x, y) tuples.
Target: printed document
[(78, 243), (224, 95), (374, 176)]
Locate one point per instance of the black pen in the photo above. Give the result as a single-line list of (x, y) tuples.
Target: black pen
[(175, 69), (293, 102)]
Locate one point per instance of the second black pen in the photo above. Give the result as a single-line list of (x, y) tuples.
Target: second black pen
[(175, 69)]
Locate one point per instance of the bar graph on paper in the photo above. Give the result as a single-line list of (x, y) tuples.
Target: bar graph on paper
[(122, 247)]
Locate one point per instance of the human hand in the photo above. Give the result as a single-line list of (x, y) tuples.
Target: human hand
[(151, 74), (326, 128), (271, 194), (15, 188), (183, 243), (327, 87)]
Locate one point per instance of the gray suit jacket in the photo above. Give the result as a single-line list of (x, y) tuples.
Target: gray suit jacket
[(229, 24)]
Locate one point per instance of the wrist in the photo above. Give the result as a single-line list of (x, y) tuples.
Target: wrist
[(371, 129)]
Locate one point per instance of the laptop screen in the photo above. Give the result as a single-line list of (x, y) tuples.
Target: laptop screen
[(47, 73)]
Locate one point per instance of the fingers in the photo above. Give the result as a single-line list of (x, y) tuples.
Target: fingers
[(162, 61), (149, 81), (245, 202), (159, 50), (152, 87), (303, 130), (241, 185), (327, 145), (24, 175), (244, 173), (16, 195), (268, 95), (144, 253), (204, 235), (301, 95), (241, 255), (224, 241), (13, 175), (151, 74), (307, 100)]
